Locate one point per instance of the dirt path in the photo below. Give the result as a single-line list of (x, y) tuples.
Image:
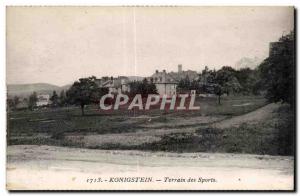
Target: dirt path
[(153, 132), (254, 117), (49, 167)]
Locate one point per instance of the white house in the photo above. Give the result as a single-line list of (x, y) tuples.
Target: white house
[(115, 85), (165, 84), (43, 100)]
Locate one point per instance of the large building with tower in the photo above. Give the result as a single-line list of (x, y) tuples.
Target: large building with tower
[(166, 82)]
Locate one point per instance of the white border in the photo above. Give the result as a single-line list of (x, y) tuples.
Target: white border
[(5, 3), (151, 2)]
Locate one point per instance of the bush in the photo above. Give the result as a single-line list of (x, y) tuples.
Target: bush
[(58, 135)]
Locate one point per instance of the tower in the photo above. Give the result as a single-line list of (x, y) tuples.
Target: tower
[(179, 68)]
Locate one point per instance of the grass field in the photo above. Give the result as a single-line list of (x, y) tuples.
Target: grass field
[(179, 131)]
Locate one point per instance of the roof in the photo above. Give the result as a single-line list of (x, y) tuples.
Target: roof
[(112, 82), (173, 77), (192, 75), (163, 78)]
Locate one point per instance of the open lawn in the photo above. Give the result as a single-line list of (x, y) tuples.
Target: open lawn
[(69, 119), (180, 131)]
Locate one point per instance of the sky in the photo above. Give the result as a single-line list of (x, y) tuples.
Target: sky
[(58, 45)]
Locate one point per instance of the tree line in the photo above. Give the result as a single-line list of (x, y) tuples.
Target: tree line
[(226, 80), (83, 92), (274, 78)]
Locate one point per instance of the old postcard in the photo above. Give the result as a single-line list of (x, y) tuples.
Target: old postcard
[(150, 98)]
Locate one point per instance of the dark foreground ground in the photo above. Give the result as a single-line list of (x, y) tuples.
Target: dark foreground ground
[(57, 148), (238, 125)]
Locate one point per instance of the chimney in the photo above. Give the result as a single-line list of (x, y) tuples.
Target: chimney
[(112, 79), (164, 76), (179, 68)]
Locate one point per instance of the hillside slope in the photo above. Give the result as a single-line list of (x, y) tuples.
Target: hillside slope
[(260, 115), (27, 89)]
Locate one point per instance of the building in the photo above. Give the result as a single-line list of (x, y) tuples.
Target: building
[(115, 85), (43, 100), (180, 74), (179, 68), (166, 83)]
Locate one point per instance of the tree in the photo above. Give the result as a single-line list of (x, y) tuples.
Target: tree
[(226, 82), (194, 85), (13, 102), (218, 90), (16, 101), (184, 84), (84, 92), (277, 72), (142, 87), (32, 101), (10, 103), (206, 81), (54, 99), (62, 98), (248, 80), (210, 76)]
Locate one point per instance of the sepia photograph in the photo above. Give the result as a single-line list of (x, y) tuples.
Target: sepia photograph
[(150, 98)]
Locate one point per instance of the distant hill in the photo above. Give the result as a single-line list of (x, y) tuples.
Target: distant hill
[(24, 90), (247, 62), (65, 87)]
